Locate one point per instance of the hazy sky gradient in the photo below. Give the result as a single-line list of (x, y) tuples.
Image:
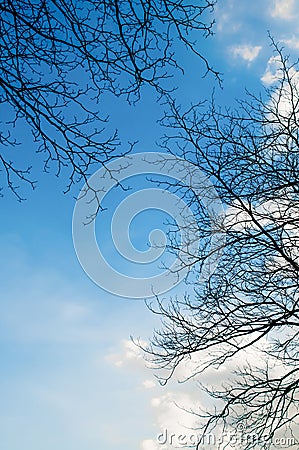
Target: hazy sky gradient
[(69, 378)]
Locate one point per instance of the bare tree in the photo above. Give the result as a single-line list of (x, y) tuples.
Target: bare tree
[(246, 316), (58, 58)]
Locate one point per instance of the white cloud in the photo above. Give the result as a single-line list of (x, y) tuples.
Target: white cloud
[(272, 71), (148, 384), (166, 402), (130, 355), (226, 23), (287, 100), (284, 98), (57, 391), (150, 444), (247, 52), (173, 416), (292, 42), (284, 9), (172, 405)]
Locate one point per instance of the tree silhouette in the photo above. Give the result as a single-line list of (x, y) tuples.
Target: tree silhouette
[(59, 57), (245, 317)]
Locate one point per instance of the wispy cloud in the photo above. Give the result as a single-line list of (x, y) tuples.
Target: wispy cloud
[(150, 444), (292, 43), (247, 52), (148, 384), (175, 406), (57, 388), (284, 9), (271, 74)]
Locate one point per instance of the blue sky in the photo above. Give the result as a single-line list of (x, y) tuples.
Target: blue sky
[(70, 379)]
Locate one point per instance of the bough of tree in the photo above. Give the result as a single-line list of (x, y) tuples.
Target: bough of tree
[(59, 57), (246, 316)]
